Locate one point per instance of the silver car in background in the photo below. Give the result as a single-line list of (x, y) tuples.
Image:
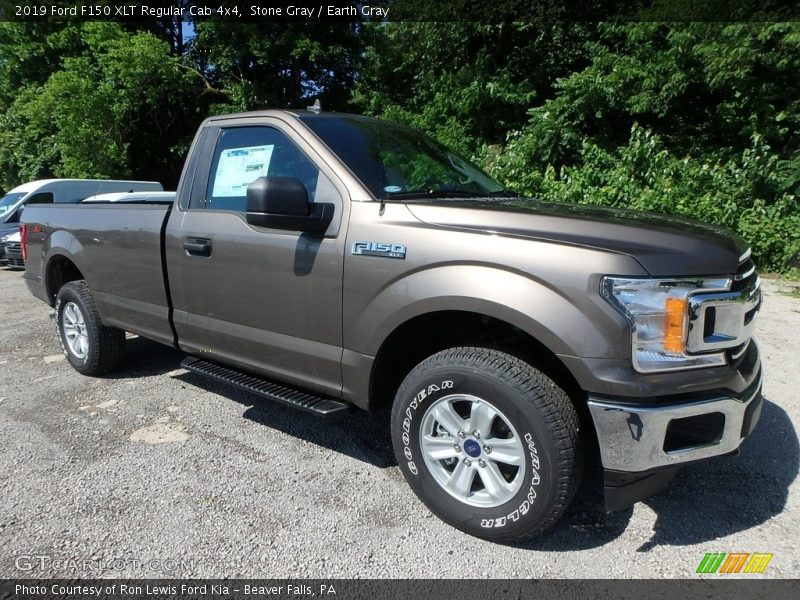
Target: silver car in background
[(131, 198), (12, 247)]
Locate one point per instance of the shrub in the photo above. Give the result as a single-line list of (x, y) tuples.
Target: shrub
[(752, 194)]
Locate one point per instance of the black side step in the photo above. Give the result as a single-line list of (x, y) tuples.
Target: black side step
[(318, 405)]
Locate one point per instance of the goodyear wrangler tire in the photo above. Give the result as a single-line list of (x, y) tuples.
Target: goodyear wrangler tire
[(487, 442), (90, 347)]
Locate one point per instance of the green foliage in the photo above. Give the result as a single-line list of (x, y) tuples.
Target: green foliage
[(465, 83), (696, 119), (744, 193), (111, 96), (699, 120), (250, 66)]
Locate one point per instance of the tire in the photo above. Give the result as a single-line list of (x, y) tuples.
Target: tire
[(525, 465), (90, 347)]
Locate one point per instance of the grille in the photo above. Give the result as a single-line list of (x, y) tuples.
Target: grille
[(724, 319), (746, 269)]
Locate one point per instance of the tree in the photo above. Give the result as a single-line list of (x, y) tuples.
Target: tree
[(261, 65), (115, 105), (466, 83)]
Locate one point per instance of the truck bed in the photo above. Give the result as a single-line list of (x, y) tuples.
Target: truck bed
[(118, 249)]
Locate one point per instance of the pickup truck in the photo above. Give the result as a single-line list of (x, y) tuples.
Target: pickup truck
[(330, 261)]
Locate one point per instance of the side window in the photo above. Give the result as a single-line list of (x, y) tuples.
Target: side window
[(243, 154), (41, 198)]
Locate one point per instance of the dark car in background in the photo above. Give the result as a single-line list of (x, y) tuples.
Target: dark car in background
[(12, 250)]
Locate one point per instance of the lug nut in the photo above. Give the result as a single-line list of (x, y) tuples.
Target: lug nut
[(481, 463), (457, 448), (476, 434), (462, 435), (487, 449), (467, 462)]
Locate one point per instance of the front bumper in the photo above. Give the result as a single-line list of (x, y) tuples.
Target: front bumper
[(641, 445), (639, 438), (13, 258)]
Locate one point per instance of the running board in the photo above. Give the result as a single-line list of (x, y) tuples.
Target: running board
[(317, 405)]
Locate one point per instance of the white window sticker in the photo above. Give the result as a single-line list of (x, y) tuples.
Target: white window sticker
[(238, 168)]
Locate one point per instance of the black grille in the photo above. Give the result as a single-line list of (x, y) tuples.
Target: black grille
[(745, 268)]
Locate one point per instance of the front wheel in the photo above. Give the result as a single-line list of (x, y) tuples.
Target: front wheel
[(487, 442), (90, 347)]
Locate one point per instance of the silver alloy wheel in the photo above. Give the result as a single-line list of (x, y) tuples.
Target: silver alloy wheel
[(75, 330), (472, 450)]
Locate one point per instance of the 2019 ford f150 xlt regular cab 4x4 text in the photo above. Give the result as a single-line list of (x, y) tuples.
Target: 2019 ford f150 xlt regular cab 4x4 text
[(329, 260)]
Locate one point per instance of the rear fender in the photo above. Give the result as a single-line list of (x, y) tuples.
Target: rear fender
[(63, 243)]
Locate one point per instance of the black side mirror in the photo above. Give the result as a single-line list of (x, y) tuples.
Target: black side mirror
[(282, 203)]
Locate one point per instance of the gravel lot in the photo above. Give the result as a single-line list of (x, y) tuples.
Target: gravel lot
[(154, 471)]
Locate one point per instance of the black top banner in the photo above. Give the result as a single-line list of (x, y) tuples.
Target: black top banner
[(407, 10)]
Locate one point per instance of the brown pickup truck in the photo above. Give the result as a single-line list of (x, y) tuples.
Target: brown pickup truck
[(328, 261)]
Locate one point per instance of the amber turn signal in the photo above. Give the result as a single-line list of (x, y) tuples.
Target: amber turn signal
[(674, 330)]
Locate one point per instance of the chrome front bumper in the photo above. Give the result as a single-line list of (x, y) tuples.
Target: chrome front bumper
[(636, 438)]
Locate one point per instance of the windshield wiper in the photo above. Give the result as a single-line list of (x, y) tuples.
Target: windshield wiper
[(503, 194), (437, 194)]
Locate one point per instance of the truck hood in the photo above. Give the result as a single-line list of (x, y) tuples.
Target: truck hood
[(664, 245)]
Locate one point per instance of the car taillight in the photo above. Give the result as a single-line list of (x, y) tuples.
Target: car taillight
[(23, 234)]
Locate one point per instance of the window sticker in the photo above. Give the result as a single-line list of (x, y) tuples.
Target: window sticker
[(238, 168)]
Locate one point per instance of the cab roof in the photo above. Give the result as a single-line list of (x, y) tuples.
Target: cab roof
[(296, 113)]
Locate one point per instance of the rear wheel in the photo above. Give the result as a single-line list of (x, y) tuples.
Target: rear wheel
[(90, 347), (487, 442)]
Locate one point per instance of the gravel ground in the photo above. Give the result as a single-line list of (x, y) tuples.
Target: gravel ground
[(153, 471)]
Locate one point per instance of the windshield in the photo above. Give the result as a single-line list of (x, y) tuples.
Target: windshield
[(10, 200), (394, 161)]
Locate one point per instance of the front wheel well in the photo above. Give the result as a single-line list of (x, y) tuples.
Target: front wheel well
[(422, 336), (60, 270)]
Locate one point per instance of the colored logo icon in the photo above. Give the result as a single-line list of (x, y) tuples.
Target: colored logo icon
[(724, 563)]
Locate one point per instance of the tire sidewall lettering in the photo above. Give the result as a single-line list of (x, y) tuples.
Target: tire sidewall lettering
[(411, 412), (421, 400), (526, 398), (530, 497)]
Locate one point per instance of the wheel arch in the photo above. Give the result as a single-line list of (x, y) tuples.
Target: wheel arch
[(60, 269), (425, 334)]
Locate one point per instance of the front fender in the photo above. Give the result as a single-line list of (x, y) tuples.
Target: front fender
[(575, 324)]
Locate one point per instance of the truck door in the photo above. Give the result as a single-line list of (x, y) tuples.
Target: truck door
[(266, 300)]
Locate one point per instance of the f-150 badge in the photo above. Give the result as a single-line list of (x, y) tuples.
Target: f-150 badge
[(379, 249)]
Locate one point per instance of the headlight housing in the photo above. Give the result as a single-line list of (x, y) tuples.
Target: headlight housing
[(658, 311)]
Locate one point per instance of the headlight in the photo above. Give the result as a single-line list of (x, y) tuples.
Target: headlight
[(658, 310)]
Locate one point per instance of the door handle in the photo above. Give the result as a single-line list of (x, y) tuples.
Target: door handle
[(198, 246)]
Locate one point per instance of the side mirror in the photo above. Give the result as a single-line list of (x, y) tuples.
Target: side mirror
[(282, 203)]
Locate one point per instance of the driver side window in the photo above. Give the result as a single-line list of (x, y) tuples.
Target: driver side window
[(243, 154)]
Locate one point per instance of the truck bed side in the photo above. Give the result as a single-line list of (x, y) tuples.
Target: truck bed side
[(118, 251)]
